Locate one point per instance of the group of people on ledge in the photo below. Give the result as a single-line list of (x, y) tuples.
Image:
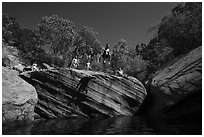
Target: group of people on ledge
[(105, 56)]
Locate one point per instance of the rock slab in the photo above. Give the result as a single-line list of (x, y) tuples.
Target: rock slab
[(104, 95), (181, 78), (18, 97), (176, 90)]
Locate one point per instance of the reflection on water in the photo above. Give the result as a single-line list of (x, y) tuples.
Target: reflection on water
[(118, 125)]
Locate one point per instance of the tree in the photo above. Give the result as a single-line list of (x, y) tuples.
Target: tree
[(137, 67), (86, 43), (24, 39), (182, 29), (29, 45), (58, 36), (120, 55), (178, 33), (10, 28), (130, 60), (88, 40)]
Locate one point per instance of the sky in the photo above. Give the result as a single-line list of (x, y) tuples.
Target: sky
[(112, 20)]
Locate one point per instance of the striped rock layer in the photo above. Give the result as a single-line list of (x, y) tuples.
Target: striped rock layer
[(181, 78), (176, 90), (106, 95)]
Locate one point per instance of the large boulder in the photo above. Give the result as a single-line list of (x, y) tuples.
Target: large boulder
[(18, 97), (177, 89), (180, 78), (102, 95)]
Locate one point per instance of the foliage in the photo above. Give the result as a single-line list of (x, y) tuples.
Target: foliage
[(182, 29), (119, 55), (88, 40), (10, 28), (96, 66), (57, 37), (87, 45), (24, 39), (128, 60), (56, 41), (137, 67), (178, 33)]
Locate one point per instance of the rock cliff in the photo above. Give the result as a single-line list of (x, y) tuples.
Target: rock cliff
[(61, 95), (176, 90), (181, 78)]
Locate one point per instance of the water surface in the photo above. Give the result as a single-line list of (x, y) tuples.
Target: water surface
[(137, 125)]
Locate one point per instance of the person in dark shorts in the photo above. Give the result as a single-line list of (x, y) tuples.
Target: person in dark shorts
[(106, 54), (83, 83), (106, 57)]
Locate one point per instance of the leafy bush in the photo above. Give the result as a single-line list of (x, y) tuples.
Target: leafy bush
[(96, 66), (137, 67), (182, 29)]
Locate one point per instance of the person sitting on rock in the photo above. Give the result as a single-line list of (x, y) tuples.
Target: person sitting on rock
[(83, 83), (120, 72), (34, 67), (75, 63)]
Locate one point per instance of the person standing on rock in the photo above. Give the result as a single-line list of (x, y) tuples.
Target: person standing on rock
[(90, 58), (106, 53), (106, 56), (91, 55)]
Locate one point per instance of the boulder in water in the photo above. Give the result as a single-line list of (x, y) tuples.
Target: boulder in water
[(18, 97)]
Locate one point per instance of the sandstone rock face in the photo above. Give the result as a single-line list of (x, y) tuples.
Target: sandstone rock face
[(18, 97), (103, 95), (176, 91), (181, 78)]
